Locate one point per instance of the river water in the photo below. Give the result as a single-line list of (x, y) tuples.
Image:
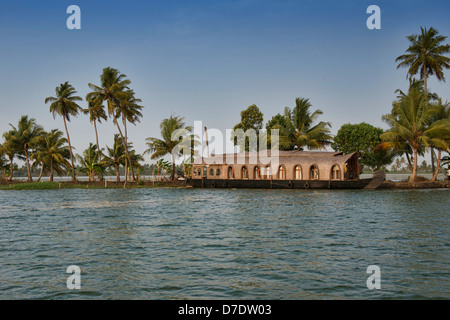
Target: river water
[(224, 244)]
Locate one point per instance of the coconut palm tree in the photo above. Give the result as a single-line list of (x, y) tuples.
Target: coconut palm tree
[(52, 153), (3, 161), (298, 130), (130, 111), (112, 90), (89, 161), (426, 55), (410, 121), (442, 114), (116, 156), (64, 105), (176, 141), (25, 137), (11, 149), (96, 114)]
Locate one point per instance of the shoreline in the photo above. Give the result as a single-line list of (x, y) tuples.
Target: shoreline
[(44, 185)]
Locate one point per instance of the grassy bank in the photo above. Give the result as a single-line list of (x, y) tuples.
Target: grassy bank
[(18, 185)]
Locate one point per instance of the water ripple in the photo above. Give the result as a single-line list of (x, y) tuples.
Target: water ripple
[(224, 244)]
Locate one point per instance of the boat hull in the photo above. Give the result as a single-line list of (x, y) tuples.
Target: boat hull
[(278, 184)]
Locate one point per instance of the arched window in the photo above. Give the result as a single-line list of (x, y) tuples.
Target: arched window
[(335, 173), (256, 173), (314, 173), (217, 172), (281, 173), (267, 173), (298, 173), (230, 173), (211, 172), (244, 173)]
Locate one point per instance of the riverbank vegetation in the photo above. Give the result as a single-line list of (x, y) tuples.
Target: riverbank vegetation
[(419, 122)]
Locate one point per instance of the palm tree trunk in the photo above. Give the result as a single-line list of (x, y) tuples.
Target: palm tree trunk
[(425, 82), (28, 165), (436, 172), (70, 148), (40, 174), (50, 178), (409, 161), (117, 173), (11, 169), (125, 146), (432, 160), (414, 171), (98, 149), (173, 168), (126, 141)]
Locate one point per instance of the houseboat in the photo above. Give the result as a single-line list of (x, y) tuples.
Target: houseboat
[(291, 170)]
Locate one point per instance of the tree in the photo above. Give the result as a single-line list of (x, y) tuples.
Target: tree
[(176, 140), (442, 114), (364, 139), (426, 55), (25, 137), (64, 105), (251, 119), (3, 164), (112, 90), (11, 149), (299, 130), (410, 123), (89, 161), (52, 153), (96, 114), (116, 156), (130, 111)]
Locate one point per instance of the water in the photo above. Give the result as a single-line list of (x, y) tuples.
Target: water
[(224, 244)]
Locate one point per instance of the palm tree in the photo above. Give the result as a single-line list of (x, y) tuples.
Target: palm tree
[(442, 113), (96, 114), (426, 55), (25, 137), (89, 161), (176, 139), (11, 149), (64, 105), (116, 156), (52, 153), (298, 129), (3, 164), (130, 111), (112, 90), (410, 123)]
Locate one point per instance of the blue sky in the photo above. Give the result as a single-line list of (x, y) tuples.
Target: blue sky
[(209, 60)]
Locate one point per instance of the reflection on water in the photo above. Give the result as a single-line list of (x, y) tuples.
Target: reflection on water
[(224, 244)]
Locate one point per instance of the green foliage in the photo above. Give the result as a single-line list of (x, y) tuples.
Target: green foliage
[(89, 162), (298, 128), (251, 118), (426, 55), (177, 141), (52, 152), (364, 139), (411, 123)]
